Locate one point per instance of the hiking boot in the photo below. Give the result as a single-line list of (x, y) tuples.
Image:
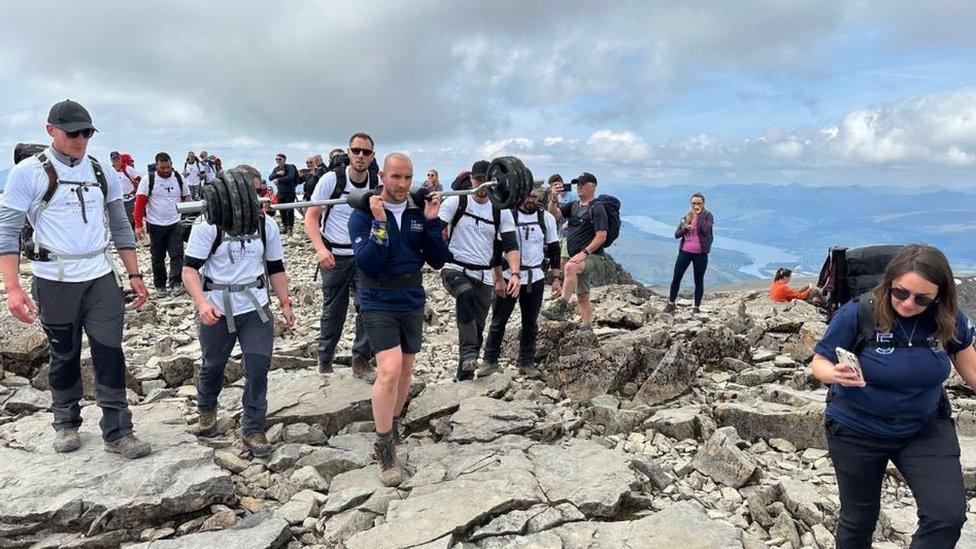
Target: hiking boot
[(529, 371), (695, 310), (467, 369), (391, 473), (325, 367), (487, 368), (557, 311), (176, 291), (670, 308), (398, 442), (585, 327), (361, 369), (162, 292), (66, 439), (129, 446), (258, 444), (207, 424)]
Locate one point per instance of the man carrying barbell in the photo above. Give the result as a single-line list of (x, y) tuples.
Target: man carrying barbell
[(392, 241), (475, 228), (227, 278), (328, 230)]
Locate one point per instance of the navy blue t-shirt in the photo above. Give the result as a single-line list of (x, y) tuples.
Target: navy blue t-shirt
[(904, 384)]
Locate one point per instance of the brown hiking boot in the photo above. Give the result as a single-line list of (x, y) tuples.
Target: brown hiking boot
[(129, 446), (207, 424), (529, 371), (670, 308), (391, 472), (258, 444), (487, 368), (325, 367), (362, 369), (66, 439), (557, 311)]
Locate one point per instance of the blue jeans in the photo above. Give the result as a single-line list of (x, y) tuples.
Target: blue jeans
[(257, 342)]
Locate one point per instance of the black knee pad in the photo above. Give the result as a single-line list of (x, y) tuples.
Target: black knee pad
[(109, 364), (458, 285), (61, 337)]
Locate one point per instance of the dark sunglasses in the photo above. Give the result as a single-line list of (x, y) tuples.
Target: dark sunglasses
[(901, 294), (87, 133), (693, 203), (356, 151)]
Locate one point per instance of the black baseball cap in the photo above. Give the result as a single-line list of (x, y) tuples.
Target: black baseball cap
[(479, 168), (70, 116), (585, 177), (114, 154)]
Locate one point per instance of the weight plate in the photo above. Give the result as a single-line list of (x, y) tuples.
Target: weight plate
[(223, 199), (256, 213), (248, 215), (211, 205), (235, 223)]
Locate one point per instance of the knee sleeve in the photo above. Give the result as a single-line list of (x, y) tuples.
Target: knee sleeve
[(61, 337), (109, 364)]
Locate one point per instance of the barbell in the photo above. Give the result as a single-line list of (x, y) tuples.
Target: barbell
[(232, 203)]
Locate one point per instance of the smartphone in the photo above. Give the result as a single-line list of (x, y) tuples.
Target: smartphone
[(847, 357)]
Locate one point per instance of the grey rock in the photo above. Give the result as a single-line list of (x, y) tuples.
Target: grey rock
[(551, 517), (802, 500), (331, 401), (677, 423), (271, 533), (296, 510), (330, 462), (284, 457), (92, 491), (347, 499), (28, 400), (802, 426), (338, 528), (672, 377), (21, 345), (724, 462), (176, 368), (231, 461), (444, 398), (303, 433), (483, 419), (659, 477), (308, 477), (784, 527)]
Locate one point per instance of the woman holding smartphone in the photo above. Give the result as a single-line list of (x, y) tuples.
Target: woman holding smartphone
[(695, 234), (897, 410)]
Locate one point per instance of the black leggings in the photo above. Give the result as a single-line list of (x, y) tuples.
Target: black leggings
[(287, 216), (700, 262), (166, 240)]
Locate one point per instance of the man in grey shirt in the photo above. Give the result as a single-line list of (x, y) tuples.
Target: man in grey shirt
[(66, 197)]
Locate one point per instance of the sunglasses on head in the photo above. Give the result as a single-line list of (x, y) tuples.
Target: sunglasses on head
[(901, 294), (356, 151), (87, 133)]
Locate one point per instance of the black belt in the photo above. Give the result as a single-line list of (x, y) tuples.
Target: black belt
[(331, 245), (208, 283), (392, 282)]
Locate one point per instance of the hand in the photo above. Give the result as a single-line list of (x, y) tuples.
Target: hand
[(288, 315), (578, 258), (142, 293), (376, 208), (209, 315), (140, 231), (281, 172), (846, 376), (514, 285), (500, 287), (21, 306), (557, 287), (557, 188), (433, 206), (326, 259)]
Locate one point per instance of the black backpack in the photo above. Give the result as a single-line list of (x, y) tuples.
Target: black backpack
[(152, 180), (612, 206), (848, 273), (27, 245)]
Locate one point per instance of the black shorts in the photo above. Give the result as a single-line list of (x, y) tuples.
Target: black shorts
[(389, 329)]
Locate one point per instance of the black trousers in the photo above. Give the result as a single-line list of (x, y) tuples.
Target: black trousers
[(930, 464), (287, 216), (472, 299), (700, 262), (530, 303), (337, 283), (166, 240)]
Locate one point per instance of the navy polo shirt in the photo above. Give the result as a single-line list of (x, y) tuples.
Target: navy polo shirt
[(904, 384)]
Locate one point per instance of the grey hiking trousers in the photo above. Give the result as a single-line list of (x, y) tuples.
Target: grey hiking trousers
[(97, 307), (336, 285)]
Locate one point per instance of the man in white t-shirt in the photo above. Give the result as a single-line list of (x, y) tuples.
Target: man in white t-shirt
[(129, 180), (478, 233), (328, 230), (156, 200), (74, 210), (196, 173), (538, 240), (227, 279)]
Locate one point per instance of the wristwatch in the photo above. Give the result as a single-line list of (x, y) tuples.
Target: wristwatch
[(135, 275), (585, 251)]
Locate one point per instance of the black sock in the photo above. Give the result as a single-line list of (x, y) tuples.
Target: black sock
[(386, 437)]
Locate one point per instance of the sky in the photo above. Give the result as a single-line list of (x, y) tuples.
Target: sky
[(820, 92)]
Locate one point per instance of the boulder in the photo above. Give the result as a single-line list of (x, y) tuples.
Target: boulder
[(803, 426), (677, 423), (21, 345), (331, 401), (444, 398), (92, 491), (483, 419), (270, 533), (724, 462), (672, 377)]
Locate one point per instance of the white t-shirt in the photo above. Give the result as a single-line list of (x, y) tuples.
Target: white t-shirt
[(472, 240), (531, 246), (166, 194), (61, 228), (126, 177), (247, 265), (397, 211), (197, 173), (336, 229)]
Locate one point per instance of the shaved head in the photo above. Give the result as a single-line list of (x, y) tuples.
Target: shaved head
[(397, 175), (396, 157)]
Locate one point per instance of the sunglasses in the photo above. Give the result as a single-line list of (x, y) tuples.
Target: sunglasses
[(901, 294), (279, 159), (697, 203), (87, 133), (356, 151)]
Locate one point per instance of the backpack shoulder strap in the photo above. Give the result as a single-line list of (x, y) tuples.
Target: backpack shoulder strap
[(100, 177), (263, 232), (459, 213), (179, 180), (217, 241), (340, 185), (152, 182), (52, 178), (374, 180), (866, 323), (541, 214), (496, 219)]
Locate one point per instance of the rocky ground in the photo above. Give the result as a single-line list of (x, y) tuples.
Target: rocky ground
[(652, 431)]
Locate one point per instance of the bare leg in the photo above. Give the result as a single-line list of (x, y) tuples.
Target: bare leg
[(403, 388), (586, 308), (388, 367), (572, 271)]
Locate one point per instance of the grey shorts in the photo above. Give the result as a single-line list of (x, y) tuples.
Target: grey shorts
[(389, 329)]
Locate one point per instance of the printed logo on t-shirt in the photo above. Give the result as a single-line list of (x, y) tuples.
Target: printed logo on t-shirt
[(884, 341), (416, 226)]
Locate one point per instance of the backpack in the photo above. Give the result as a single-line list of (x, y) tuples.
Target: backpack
[(152, 180), (612, 206), (28, 246), (848, 273)]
